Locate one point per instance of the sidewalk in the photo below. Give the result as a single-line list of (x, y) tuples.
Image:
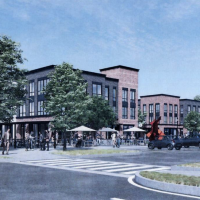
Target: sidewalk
[(19, 154)]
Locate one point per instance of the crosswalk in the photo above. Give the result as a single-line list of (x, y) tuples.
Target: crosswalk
[(96, 166)]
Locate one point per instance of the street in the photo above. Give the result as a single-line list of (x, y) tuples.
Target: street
[(90, 177)]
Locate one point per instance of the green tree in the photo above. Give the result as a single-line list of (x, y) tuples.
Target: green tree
[(141, 117), (197, 97), (12, 79), (192, 122), (66, 98), (99, 113)]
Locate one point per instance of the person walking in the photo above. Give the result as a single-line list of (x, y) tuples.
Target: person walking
[(118, 140), (56, 137), (5, 141), (27, 140), (40, 141), (113, 136), (48, 137)]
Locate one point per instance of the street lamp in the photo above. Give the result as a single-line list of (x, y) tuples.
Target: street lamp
[(177, 128)]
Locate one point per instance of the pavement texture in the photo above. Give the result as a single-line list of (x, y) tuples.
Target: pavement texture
[(51, 184)]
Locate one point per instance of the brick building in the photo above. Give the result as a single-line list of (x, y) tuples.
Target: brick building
[(166, 106), (118, 85)]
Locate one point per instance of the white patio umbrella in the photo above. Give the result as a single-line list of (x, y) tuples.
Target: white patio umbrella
[(107, 129), (134, 129), (82, 128)]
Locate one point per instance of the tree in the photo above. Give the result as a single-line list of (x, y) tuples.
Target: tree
[(66, 98), (141, 117), (99, 113), (192, 122), (197, 97), (12, 79)]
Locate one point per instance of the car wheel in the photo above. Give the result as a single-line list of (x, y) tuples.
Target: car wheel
[(151, 146), (186, 146), (170, 147), (159, 147), (177, 148)]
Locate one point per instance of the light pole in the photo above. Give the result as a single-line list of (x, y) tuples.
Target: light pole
[(177, 128)]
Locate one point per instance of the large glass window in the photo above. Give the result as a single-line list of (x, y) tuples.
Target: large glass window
[(157, 110), (96, 89), (181, 109), (175, 114), (145, 111), (150, 113), (189, 109), (106, 93), (42, 85), (165, 113), (41, 110), (132, 113), (31, 107), (124, 113), (170, 113), (132, 96), (22, 110), (114, 94), (31, 88), (194, 108), (124, 95), (198, 109)]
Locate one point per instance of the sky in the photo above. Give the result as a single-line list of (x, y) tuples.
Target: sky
[(161, 38)]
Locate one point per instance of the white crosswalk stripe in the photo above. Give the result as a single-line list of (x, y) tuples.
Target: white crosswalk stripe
[(96, 166)]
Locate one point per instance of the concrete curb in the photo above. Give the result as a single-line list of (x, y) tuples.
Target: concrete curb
[(180, 168), (169, 187)]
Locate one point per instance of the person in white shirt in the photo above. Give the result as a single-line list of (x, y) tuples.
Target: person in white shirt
[(113, 136), (6, 138)]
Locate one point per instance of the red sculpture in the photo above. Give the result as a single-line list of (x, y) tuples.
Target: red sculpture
[(155, 132)]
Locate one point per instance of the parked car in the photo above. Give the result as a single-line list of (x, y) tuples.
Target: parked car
[(166, 142), (189, 141)]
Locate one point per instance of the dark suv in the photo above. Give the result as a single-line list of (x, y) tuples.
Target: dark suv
[(189, 141), (166, 142)]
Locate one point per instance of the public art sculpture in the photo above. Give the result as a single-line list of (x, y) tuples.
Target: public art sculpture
[(155, 132)]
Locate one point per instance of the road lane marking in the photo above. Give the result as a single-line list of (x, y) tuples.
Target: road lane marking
[(130, 168)]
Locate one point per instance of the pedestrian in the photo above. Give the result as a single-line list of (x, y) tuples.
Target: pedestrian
[(5, 140), (56, 137), (27, 140), (113, 136), (118, 140), (41, 141), (31, 140), (48, 137)]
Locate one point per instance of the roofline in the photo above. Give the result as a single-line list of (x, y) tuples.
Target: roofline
[(189, 100), (119, 66), (40, 69), (160, 95)]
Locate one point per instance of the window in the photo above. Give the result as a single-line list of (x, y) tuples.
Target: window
[(165, 113), (132, 113), (157, 110), (194, 108), (144, 108), (132, 96), (41, 110), (199, 109), (96, 89), (42, 85), (181, 109), (170, 113), (189, 109), (114, 109), (22, 110), (150, 113), (125, 95), (175, 114), (114, 94), (124, 113), (31, 88), (31, 107), (106, 93)]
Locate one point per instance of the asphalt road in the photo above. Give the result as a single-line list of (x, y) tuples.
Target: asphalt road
[(162, 157), (19, 182)]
